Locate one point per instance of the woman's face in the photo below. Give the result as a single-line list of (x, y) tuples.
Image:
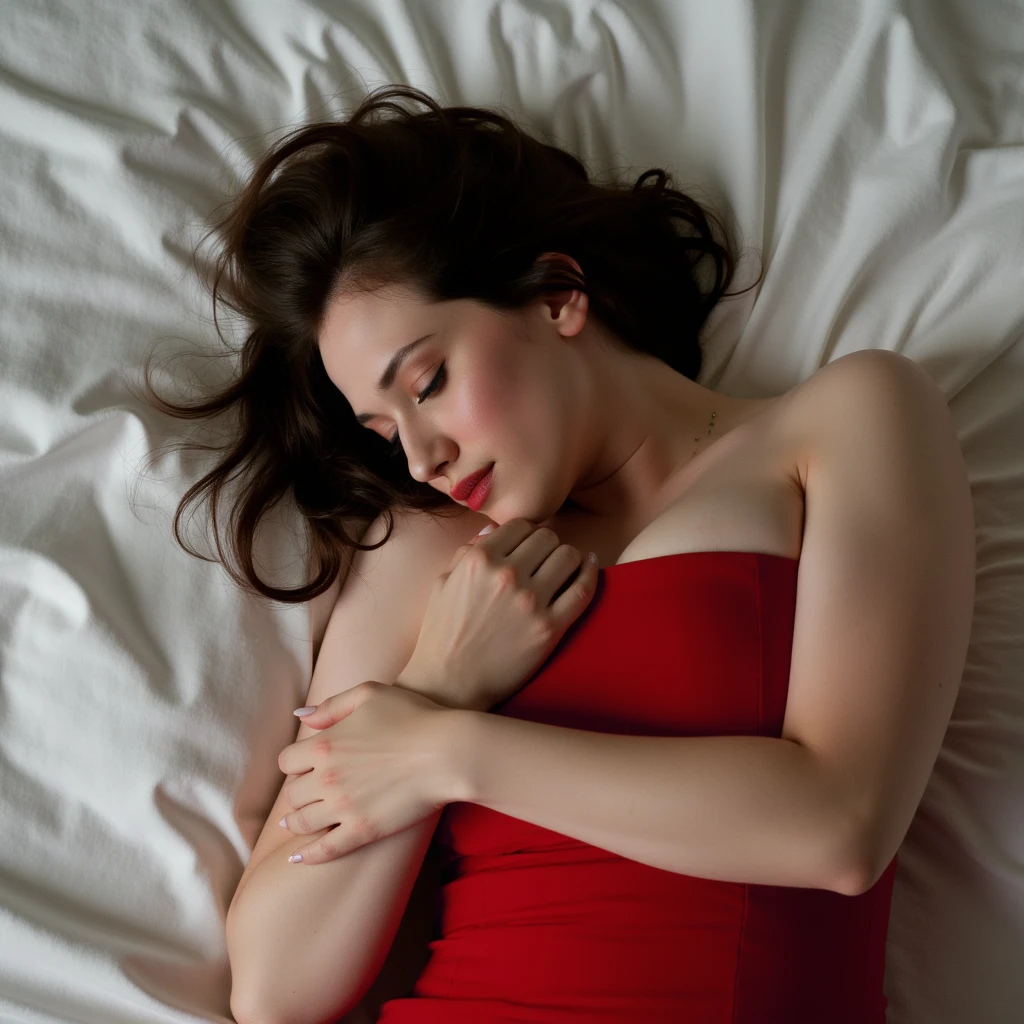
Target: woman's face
[(481, 388)]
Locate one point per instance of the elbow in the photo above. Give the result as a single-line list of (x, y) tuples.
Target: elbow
[(859, 869), (249, 1006), (268, 987), (855, 881), (260, 993), (265, 997), (247, 1010), (242, 1010)]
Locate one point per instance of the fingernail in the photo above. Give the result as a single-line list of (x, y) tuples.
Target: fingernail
[(304, 711), (295, 858), (593, 558), (282, 824), (486, 529)]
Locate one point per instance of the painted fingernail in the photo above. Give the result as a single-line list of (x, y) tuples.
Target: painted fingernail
[(295, 858), (282, 823), (486, 529), (299, 712), (593, 558)]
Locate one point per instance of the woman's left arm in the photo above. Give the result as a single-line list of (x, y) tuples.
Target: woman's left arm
[(885, 597), (735, 808)]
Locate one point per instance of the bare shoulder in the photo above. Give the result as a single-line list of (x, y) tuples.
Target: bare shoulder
[(386, 590), (877, 423), (861, 395), (419, 542), (873, 374)]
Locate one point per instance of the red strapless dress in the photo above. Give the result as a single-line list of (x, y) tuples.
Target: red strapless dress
[(538, 928)]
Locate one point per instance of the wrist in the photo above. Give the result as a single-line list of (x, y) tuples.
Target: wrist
[(409, 680), (434, 691), (456, 745)]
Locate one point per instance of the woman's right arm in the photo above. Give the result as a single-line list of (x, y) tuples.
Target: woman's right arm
[(305, 943)]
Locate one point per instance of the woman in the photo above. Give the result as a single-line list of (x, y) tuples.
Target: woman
[(705, 747)]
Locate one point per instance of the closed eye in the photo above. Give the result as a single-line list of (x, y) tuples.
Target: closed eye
[(430, 389)]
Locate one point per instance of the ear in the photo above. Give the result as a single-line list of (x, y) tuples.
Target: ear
[(568, 308), (556, 257)]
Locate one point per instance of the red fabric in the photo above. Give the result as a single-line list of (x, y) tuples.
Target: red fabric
[(538, 928)]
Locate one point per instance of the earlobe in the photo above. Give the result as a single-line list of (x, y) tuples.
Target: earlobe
[(573, 316), (576, 315)]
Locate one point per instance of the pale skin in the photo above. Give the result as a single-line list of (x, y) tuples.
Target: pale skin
[(857, 472)]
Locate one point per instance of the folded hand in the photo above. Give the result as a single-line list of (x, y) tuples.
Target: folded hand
[(378, 766)]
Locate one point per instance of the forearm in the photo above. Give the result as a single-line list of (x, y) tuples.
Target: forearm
[(735, 808), (305, 944)]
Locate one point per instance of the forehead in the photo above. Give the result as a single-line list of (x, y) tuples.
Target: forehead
[(360, 325)]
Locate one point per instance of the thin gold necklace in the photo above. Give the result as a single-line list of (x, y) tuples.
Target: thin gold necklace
[(711, 426)]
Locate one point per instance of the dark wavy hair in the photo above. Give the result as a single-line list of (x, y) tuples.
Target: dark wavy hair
[(457, 203)]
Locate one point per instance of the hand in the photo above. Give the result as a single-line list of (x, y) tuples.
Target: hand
[(378, 767), (490, 621)]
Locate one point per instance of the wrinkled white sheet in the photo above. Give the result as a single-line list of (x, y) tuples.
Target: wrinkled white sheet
[(874, 151)]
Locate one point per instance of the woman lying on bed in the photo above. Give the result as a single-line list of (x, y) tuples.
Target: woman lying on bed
[(664, 781)]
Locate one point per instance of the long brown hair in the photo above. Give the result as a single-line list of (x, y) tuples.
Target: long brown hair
[(458, 203)]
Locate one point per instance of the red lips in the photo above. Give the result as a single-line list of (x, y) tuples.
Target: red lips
[(462, 490)]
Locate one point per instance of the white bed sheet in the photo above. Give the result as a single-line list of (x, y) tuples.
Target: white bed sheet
[(874, 151)]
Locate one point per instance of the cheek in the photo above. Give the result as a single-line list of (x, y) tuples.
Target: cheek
[(511, 405), (491, 411), (496, 403)]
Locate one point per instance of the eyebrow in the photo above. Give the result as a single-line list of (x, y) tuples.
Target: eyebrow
[(387, 378)]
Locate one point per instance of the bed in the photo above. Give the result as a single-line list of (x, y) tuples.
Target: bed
[(871, 151)]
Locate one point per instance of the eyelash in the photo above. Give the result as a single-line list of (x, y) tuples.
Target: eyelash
[(439, 377)]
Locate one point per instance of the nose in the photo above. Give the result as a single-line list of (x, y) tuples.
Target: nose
[(428, 460)]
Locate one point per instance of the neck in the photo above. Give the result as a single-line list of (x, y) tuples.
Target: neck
[(644, 437)]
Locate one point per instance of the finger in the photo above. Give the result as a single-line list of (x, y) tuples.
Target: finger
[(565, 609), (340, 840), (508, 537), (296, 758), (336, 707), (302, 790), (308, 819), (489, 528), (461, 550), (452, 562), (511, 534)]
